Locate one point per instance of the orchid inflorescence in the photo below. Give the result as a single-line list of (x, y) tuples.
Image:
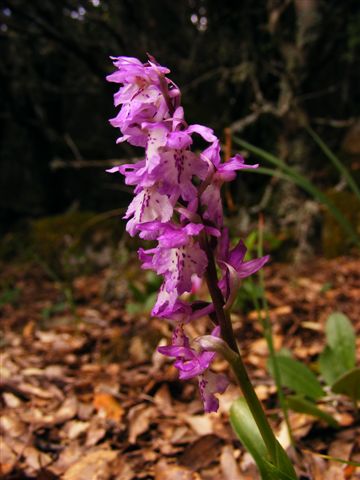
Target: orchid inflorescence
[(178, 203)]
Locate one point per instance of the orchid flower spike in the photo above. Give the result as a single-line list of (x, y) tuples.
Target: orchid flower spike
[(177, 204)]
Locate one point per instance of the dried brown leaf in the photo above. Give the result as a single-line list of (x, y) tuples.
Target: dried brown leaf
[(69, 455), (11, 400), (317, 466), (96, 432), (229, 465), (201, 424), (163, 401), (67, 411), (7, 457), (94, 465), (140, 418), (166, 471), (200, 453), (12, 425), (75, 428), (35, 459), (335, 472)]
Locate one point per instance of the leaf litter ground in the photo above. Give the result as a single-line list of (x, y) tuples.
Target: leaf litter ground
[(84, 395)]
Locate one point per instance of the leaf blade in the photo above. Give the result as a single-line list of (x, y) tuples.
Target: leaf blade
[(340, 337), (298, 377), (329, 368), (348, 384), (301, 405)]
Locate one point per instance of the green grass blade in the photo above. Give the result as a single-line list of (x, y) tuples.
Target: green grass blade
[(335, 161), (291, 175), (332, 459)]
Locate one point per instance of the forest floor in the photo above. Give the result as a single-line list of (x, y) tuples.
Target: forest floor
[(85, 395)]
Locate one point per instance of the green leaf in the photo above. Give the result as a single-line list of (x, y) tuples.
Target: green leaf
[(246, 429), (250, 241), (298, 377), (284, 352), (349, 384), (329, 367), (133, 308), (149, 303), (341, 339), (138, 294), (299, 404)]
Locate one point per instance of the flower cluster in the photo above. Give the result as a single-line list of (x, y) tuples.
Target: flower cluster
[(178, 204)]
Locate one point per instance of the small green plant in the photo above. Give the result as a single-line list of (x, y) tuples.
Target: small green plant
[(306, 388), (337, 362), (336, 365)]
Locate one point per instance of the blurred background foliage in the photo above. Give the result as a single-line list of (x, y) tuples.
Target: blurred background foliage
[(266, 70)]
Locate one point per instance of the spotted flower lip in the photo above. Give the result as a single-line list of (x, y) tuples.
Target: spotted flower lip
[(177, 204), (176, 264), (148, 205)]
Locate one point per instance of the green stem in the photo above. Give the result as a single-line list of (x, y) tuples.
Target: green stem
[(236, 362)]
